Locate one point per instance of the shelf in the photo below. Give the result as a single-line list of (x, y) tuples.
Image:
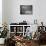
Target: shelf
[(19, 32), (12, 32), (16, 32), (19, 27)]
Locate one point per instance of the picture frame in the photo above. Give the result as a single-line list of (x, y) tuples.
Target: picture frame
[(26, 9)]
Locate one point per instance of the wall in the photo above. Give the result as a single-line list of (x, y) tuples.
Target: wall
[(12, 11), (0, 13), (42, 12)]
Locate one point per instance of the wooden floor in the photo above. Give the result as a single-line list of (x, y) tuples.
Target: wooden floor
[(32, 45), (2, 45), (42, 45)]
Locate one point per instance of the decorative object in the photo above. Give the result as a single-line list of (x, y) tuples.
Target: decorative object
[(35, 21), (26, 9), (4, 32), (28, 33)]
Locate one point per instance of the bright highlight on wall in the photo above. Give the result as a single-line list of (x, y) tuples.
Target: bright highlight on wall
[(0, 13)]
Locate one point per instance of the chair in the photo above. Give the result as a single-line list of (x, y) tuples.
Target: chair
[(9, 42), (42, 37)]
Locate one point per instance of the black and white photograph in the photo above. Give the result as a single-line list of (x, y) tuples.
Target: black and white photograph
[(26, 9)]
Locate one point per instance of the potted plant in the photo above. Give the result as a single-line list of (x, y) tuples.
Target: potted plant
[(3, 34)]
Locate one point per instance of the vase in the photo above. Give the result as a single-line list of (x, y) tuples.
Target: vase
[(2, 40)]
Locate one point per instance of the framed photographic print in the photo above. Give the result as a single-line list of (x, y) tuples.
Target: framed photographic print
[(26, 9)]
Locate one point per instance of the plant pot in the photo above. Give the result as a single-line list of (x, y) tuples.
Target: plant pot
[(2, 40)]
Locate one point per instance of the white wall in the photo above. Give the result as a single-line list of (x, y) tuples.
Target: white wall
[(4, 11), (0, 13), (42, 12), (12, 11)]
